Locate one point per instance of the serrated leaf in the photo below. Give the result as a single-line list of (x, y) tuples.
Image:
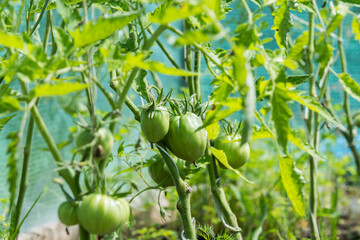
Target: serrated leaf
[(311, 103), (141, 84), (196, 36), (221, 156), (293, 183), (5, 120), (282, 23), (48, 90), (296, 51), (165, 15), (281, 114), (350, 85), (213, 130), (356, 28), (305, 146), (324, 52), (102, 29), (70, 16), (9, 40)]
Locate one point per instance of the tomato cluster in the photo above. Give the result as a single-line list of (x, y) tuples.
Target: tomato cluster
[(98, 214), (182, 134)]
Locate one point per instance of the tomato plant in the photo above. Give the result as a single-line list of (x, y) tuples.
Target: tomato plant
[(184, 139), (100, 214), (154, 123), (67, 214)]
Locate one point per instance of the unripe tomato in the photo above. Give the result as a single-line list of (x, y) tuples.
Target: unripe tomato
[(183, 139), (102, 147), (124, 205), (236, 154), (357, 120), (100, 214), (154, 123), (159, 171), (67, 214)]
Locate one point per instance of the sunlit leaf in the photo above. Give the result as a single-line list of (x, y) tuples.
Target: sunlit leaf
[(164, 14), (9, 40), (213, 130), (102, 29), (356, 28), (282, 23), (48, 90)]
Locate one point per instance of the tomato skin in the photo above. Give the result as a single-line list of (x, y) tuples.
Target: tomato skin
[(100, 214), (236, 154), (103, 146), (159, 171), (124, 205), (183, 140), (154, 123), (67, 214)]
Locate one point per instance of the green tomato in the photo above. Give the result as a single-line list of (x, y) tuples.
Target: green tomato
[(103, 146), (236, 154), (124, 205), (357, 120), (159, 171), (183, 139), (154, 123), (67, 214), (100, 214)]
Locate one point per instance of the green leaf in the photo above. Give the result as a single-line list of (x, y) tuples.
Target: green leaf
[(9, 40), (311, 103), (324, 52), (233, 104), (221, 156), (70, 16), (350, 85), (139, 61), (63, 41), (141, 84), (102, 29), (334, 23), (213, 130), (282, 23), (9, 103), (297, 50), (305, 146), (356, 28), (5, 120), (296, 80), (48, 90), (165, 15), (281, 114), (196, 36), (293, 183), (352, 2)]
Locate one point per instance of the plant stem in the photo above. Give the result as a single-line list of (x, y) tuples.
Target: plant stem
[(223, 209), (184, 191), (24, 173), (197, 69), (188, 60), (350, 124), (313, 163)]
